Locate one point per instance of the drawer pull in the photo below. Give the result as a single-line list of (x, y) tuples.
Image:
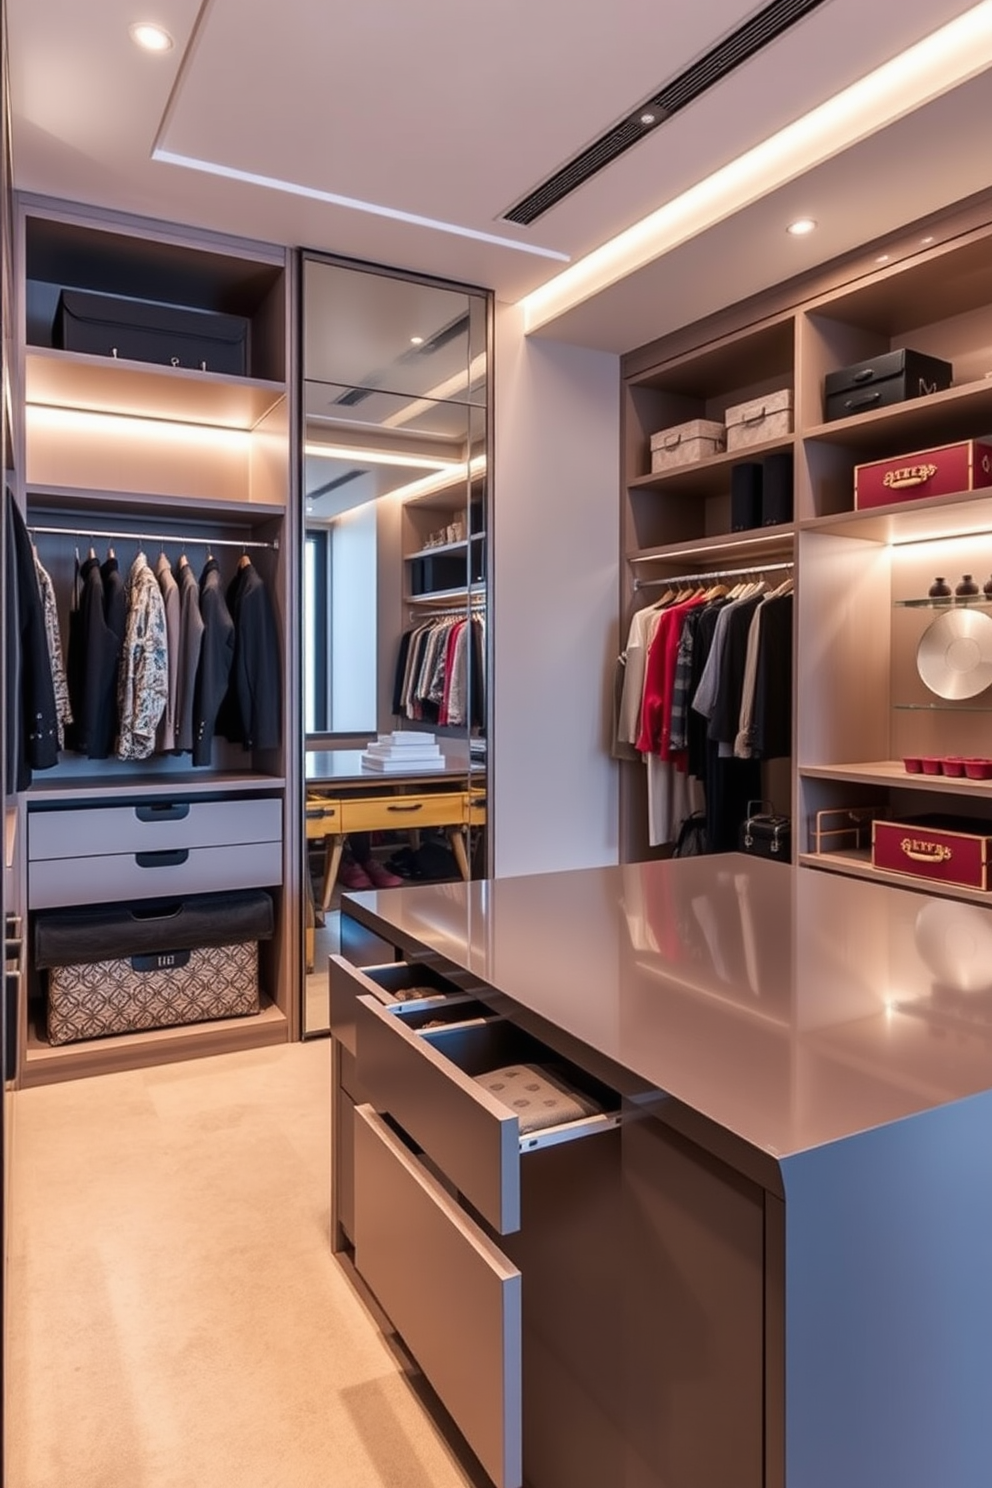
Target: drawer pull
[(167, 811), (417, 806), (169, 858)]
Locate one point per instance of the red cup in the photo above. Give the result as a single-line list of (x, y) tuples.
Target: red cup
[(978, 769), (913, 764), (932, 764), (953, 764)]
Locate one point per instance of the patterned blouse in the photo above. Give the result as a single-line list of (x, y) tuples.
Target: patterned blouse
[(143, 684), (63, 708)]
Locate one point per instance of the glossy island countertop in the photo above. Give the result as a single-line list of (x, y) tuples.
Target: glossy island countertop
[(792, 1007)]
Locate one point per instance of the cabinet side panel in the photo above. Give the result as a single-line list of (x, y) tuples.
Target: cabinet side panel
[(889, 1305)]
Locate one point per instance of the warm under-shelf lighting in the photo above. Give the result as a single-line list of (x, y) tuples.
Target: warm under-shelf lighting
[(378, 457), (42, 418), (445, 392), (432, 483), (942, 61)]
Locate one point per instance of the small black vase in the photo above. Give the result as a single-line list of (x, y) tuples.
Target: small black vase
[(967, 587), (941, 589)]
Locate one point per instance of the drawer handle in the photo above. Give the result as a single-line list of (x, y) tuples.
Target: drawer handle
[(167, 811), (865, 401), (865, 375), (168, 859), (417, 806)]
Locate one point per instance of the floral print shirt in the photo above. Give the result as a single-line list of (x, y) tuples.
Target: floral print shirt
[(143, 683)]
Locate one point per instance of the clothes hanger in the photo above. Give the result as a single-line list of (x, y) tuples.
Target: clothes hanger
[(244, 561)]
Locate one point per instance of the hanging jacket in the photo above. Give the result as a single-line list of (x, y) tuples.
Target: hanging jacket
[(115, 614), (92, 659), (165, 741), (252, 710), (53, 638), (32, 720), (144, 674), (216, 658), (187, 655)]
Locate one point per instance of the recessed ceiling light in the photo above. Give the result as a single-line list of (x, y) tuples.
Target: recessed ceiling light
[(416, 340), (882, 258), (801, 227), (649, 118), (927, 240), (150, 37)]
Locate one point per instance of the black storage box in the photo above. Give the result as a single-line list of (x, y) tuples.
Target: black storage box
[(146, 331), (765, 834), (776, 489), (439, 571), (883, 380), (745, 495)]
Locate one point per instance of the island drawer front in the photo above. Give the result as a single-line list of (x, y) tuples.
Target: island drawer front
[(149, 826), (389, 984), (57, 882), (425, 1081), (401, 813), (450, 1293)]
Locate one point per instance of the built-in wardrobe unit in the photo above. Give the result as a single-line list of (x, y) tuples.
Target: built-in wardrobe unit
[(121, 456), (861, 577)]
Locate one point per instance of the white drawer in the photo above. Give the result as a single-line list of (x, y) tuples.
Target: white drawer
[(55, 882), (150, 826)]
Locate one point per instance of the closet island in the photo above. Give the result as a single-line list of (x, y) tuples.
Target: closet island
[(755, 1251)]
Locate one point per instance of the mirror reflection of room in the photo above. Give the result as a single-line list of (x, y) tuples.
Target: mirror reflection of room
[(395, 477)]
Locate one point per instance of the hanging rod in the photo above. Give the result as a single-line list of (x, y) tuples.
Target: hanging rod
[(713, 573), (154, 537)]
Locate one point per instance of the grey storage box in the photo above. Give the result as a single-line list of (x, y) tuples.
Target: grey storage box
[(684, 444), (768, 417)]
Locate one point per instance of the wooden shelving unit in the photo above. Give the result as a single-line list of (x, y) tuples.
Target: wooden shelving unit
[(861, 576)]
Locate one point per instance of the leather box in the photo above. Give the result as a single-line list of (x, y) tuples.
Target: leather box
[(146, 331), (765, 834), (881, 381), (684, 444), (759, 419), (943, 849), (965, 466)]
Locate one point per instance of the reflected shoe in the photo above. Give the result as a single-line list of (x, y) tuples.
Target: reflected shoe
[(353, 876), (381, 877)]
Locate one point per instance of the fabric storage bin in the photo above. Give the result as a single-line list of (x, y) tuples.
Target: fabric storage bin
[(945, 471), (684, 444), (745, 495), (881, 381), (126, 968), (759, 419), (146, 331)]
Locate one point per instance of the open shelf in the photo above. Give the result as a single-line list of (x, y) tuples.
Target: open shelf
[(732, 547), (963, 412), (856, 863), (464, 592), (125, 786), (45, 1062), (183, 512), (894, 772), (452, 547), (962, 514), (711, 475), (104, 385)]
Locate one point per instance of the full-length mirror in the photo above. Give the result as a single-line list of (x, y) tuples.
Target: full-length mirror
[(395, 444)]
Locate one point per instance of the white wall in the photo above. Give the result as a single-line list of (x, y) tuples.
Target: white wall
[(554, 605)]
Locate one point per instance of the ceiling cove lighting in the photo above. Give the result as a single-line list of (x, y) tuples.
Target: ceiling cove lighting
[(150, 37), (377, 457), (802, 227), (295, 188), (945, 59)]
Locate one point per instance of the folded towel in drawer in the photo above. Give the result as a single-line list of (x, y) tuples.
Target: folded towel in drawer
[(537, 1096), (84, 936)]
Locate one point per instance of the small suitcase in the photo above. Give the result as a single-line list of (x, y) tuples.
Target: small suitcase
[(764, 834), (146, 331)]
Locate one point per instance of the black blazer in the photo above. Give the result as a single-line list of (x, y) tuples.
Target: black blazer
[(216, 659), (252, 711), (91, 667), (32, 719)]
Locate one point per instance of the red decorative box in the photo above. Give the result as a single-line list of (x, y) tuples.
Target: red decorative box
[(965, 466), (944, 849)]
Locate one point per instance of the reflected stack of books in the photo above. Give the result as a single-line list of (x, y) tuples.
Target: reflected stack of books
[(403, 751)]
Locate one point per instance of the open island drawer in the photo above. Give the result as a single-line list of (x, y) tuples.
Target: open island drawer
[(448, 1290), (420, 1065), (396, 982)]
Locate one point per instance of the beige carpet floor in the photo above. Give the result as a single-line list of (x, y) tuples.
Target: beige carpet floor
[(177, 1319)]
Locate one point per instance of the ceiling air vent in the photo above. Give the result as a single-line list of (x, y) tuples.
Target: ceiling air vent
[(720, 60)]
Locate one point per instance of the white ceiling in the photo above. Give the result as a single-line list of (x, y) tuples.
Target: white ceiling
[(452, 111)]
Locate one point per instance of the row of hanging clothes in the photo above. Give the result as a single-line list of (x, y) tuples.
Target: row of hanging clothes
[(704, 697), (155, 660), (440, 673)]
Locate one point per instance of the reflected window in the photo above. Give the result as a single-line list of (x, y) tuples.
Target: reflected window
[(339, 658)]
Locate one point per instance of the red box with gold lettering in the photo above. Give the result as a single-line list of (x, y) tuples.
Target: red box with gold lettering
[(965, 466), (944, 849)]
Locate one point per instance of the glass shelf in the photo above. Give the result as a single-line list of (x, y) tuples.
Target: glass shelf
[(952, 602), (949, 707)]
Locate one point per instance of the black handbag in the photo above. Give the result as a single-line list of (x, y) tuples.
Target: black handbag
[(764, 834)]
